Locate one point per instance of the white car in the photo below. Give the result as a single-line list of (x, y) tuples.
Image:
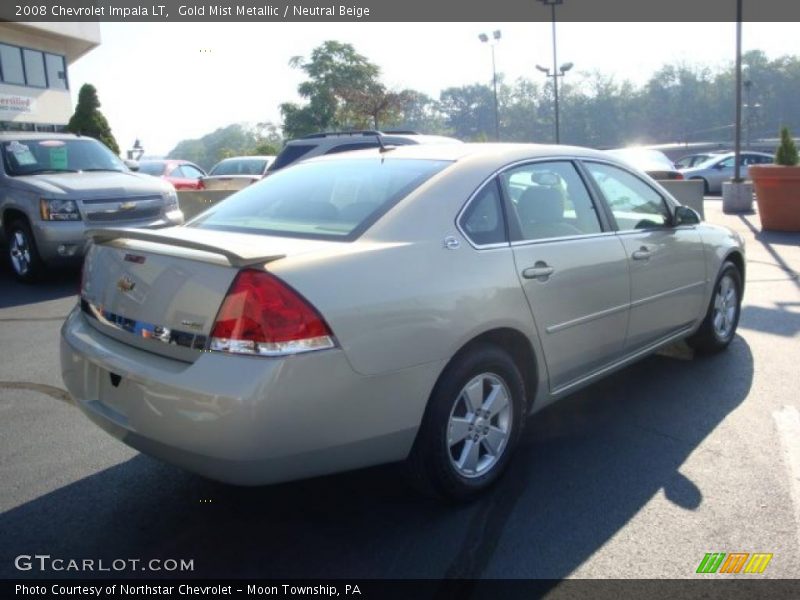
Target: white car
[(237, 173)]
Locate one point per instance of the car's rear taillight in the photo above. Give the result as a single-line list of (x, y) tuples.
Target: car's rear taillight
[(678, 176), (201, 184), (263, 316)]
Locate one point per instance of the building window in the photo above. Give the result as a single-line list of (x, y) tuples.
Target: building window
[(34, 68), (56, 71), (25, 66), (11, 65)]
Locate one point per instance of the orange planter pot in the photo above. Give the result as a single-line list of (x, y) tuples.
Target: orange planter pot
[(778, 196)]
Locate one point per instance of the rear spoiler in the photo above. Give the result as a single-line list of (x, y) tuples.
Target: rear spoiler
[(238, 260)]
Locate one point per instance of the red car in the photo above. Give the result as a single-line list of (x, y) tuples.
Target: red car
[(182, 174)]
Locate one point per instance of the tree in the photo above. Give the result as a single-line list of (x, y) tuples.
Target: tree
[(338, 79), (88, 120)]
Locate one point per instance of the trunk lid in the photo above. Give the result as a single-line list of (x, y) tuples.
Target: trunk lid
[(160, 291)]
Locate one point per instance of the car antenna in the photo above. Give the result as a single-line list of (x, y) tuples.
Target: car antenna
[(384, 148)]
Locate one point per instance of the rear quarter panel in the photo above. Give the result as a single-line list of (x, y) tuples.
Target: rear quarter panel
[(397, 297)]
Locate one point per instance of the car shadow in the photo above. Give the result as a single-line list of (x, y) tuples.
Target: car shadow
[(585, 467), (55, 284)]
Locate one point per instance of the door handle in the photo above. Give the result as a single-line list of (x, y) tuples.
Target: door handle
[(540, 270), (642, 253)]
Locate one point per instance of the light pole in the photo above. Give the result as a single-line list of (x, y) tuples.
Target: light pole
[(496, 35), (552, 4), (555, 75), (748, 118)]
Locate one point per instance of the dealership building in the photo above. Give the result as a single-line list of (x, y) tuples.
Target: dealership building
[(34, 72)]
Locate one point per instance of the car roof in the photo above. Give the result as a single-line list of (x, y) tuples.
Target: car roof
[(498, 153), (41, 135), (232, 158)]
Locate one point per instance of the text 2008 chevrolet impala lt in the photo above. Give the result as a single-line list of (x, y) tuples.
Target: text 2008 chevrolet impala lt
[(411, 303)]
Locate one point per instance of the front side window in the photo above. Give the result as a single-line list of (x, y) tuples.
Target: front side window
[(482, 221), (332, 199), (549, 200), (192, 172), (634, 204)]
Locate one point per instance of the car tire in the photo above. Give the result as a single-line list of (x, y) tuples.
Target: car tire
[(462, 448), (719, 325), (23, 256)]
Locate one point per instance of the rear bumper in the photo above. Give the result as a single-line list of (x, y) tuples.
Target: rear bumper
[(245, 420), (62, 241)]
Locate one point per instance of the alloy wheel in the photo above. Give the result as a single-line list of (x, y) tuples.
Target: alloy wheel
[(20, 250), (479, 425), (726, 304)]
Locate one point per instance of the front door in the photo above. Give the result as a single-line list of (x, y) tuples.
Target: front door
[(667, 264), (573, 270)]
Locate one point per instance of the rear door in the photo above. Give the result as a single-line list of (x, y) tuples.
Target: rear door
[(572, 267), (667, 264)]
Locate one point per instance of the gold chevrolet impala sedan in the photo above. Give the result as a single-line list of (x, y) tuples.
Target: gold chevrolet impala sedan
[(412, 304)]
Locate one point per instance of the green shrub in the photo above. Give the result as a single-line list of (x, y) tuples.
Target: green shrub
[(786, 154)]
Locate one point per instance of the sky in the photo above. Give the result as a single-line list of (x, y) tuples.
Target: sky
[(165, 82)]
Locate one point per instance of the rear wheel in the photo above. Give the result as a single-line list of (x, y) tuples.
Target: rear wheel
[(471, 426), (22, 253), (722, 318)]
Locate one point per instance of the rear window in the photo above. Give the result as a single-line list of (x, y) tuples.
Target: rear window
[(291, 154), (337, 199), (253, 166), (151, 168)]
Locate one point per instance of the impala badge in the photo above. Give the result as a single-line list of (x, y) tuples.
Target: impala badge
[(125, 284)]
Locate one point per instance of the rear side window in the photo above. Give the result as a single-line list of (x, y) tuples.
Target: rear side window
[(291, 154), (331, 199), (549, 200), (482, 222), (352, 146)]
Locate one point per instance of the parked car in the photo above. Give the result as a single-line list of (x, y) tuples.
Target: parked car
[(411, 304), (692, 160), (182, 174), (318, 144), (55, 186), (720, 168), (653, 162), (237, 172)]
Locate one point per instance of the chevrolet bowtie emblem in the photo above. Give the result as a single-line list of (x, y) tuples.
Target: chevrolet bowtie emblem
[(125, 284), (127, 205)]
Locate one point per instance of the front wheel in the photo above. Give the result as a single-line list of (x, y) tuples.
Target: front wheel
[(722, 317), (471, 426), (22, 253)]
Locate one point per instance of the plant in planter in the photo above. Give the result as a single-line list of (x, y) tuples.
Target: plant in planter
[(778, 188)]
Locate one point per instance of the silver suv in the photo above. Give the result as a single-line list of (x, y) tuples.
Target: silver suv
[(55, 186), (335, 142)]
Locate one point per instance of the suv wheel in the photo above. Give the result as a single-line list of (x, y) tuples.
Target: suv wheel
[(22, 253), (471, 426)]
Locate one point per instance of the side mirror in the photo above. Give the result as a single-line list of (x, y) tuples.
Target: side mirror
[(686, 216), (133, 165)]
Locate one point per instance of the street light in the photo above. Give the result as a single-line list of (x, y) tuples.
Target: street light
[(496, 35), (564, 68), (748, 120), (555, 75)]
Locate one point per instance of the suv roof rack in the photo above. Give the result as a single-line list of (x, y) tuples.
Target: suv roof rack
[(401, 132), (325, 134)]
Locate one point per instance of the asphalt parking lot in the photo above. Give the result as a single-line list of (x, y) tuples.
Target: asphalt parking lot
[(639, 475)]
